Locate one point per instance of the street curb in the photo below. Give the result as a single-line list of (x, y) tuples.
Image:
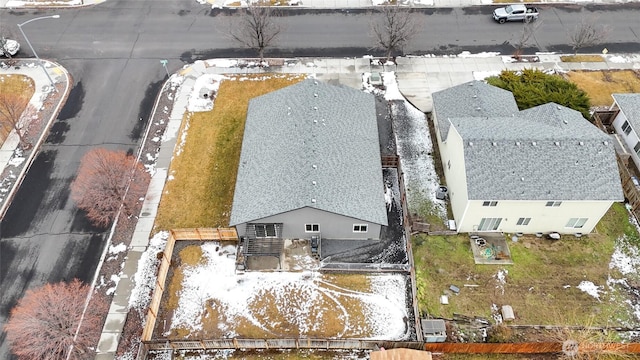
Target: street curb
[(36, 149)]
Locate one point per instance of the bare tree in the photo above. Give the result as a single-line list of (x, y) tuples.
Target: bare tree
[(529, 29), (108, 180), (43, 324), (257, 29), (12, 106), (393, 27), (588, 33)]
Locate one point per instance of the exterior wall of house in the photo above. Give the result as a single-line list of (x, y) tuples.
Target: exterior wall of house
[(330, 225), (544, 219), (452, 155), (630, 140)]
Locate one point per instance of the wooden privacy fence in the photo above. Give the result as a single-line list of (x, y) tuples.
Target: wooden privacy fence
[(530, 348), (202, 234), (320, 344)]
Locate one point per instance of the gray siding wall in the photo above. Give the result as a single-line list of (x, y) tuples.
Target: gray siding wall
[(332, 226)]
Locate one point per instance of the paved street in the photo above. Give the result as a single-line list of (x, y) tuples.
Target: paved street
[(113, 50)]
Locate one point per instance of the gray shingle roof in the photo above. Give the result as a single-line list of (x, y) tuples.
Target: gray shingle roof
[(548, 152), (629, 104), (310, 141), (472, 99)]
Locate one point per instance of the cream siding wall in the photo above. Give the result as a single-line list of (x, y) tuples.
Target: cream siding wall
[(630, 140), (452, 155), (544, 219)]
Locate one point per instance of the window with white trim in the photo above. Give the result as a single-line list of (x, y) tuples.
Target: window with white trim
[(626, 128), (448, 164), (576, 223), (553, 203), (311, 227), (360, 228), (523, 221), (637, 148), (490, 203)]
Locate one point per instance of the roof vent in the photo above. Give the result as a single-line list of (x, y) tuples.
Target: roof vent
[(315, 95), (470, 143), (494, 143), (581, 143), (313, 182), (315, 82), (313, 201), (558, 107), (314, 166), (605, 142), (478, 108), (474, 96), (557, 143), (517, 143), (534, 143), (565, 121), (315, 121), (315, 108), (521, 179)]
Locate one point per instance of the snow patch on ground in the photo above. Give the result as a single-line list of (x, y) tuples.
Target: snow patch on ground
[(590, 288), (391, 86), (384, 308), (501, 279), (481, 75), (414, 146), (145, 277), (467, 54), (208, 85), (116, 249)]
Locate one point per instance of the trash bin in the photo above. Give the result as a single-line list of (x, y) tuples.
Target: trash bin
[(441, 192)]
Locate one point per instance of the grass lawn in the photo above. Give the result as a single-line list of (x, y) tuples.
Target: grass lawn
[(204, 174), (541, 285), (599, 85), (582, 58), (14, 84)]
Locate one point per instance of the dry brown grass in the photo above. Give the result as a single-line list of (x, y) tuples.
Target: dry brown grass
[(599, 85), (201, 192), (582, 58), (14, 84), (336, 310), (535, 283)]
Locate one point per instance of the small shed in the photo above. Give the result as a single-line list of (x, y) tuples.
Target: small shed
[(433, 330), (400, 354)]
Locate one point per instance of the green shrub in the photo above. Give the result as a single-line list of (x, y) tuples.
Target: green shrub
[(534, 87)]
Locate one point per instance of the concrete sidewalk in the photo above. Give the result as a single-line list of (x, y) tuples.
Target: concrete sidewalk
[(417, 78)]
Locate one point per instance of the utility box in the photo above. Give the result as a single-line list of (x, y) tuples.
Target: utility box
[(433, 331), (507, 313)]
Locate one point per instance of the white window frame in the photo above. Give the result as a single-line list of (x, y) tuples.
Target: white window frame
[(311, 226), (360, 228), (489, 203), (523, 221), (553, 203), (576, 223), (626, 127)]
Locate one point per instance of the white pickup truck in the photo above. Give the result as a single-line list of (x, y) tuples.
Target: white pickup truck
[(515, 12)]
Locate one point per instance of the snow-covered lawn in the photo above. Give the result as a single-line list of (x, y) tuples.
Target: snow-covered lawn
[(212, 301)]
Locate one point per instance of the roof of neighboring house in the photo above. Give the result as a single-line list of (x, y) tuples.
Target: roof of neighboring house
[(629, 104), (472, 99), (548, 152), (310, 145)]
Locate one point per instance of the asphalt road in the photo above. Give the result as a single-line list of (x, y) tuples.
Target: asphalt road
[(113, 52)]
